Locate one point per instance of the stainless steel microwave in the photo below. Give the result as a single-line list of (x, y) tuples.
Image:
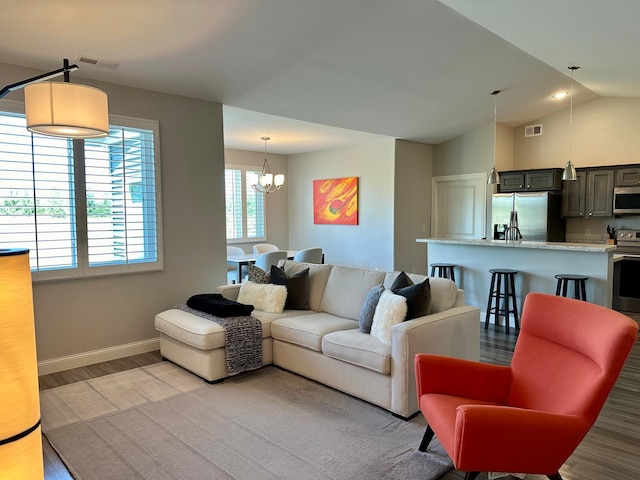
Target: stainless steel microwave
[(626, 201)]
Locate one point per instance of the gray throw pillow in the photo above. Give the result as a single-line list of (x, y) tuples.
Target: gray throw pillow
[(257, 275), (369, 308)]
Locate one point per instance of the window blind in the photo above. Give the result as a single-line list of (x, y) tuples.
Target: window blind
[(82, 208), (245, 208)]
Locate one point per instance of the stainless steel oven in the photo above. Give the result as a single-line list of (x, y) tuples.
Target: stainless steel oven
[(626, 271)]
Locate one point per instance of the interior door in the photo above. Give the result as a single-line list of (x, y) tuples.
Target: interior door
[(459, 206)]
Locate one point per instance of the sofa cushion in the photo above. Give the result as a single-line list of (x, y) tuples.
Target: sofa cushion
[(297, 287), (369, 308), (443, 294), (358, 348), (391, 309), (346, 290), (267, 318), (308, 330), (265, 297), (197, 331), (318, 275)]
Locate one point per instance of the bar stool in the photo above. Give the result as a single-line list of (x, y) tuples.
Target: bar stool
[(503, 287), (445, 270), (579, 285)]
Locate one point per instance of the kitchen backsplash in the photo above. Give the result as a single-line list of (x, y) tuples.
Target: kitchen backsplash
[(594, 230)]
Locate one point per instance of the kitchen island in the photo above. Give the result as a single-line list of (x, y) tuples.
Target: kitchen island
[(536, 262)]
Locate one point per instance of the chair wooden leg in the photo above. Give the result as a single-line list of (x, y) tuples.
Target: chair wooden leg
[(555, 476), (426, 439), (471, 475)]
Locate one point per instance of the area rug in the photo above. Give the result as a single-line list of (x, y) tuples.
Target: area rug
[(160, 422)]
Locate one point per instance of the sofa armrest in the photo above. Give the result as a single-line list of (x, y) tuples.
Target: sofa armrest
[(454, 332), (230, 292)]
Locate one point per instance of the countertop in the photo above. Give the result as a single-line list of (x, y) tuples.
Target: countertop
[(581, 247)]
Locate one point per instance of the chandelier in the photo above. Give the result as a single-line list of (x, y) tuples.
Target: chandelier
[(268, 182)]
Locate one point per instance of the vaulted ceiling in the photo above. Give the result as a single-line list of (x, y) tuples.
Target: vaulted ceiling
[(320, 74)]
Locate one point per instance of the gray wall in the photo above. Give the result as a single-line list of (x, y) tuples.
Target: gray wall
[(369, 244), (77, 316), (412, 204), (277, 211)]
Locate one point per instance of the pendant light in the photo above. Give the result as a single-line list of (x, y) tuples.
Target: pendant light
[(268, 182), (63, 109), (494, 176), (569, 172)]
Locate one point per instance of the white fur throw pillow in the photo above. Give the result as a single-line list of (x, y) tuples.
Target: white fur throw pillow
[(391, 309), (263, 296)]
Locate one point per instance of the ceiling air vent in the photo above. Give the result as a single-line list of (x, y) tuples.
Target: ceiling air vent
[(533, 130), (98, 62)]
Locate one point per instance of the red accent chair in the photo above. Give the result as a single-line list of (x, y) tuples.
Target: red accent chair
[(530, 416)]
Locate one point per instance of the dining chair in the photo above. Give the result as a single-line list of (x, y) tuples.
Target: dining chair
[(309, 255), (232, 271), (264, 247), (265, 260)]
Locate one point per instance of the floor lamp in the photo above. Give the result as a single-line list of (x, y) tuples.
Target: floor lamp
[(61, 109), (20, 434)]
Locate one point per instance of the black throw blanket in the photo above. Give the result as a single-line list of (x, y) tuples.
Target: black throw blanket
[(215, 304)]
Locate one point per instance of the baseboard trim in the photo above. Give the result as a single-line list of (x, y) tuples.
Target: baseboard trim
[(59, 364)]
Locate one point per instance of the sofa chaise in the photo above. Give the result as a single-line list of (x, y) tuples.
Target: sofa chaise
[(325, 343)]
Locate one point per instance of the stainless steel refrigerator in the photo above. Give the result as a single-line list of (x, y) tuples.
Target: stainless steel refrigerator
[(539, 215)]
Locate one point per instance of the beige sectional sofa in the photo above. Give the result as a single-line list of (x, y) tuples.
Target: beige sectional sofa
[(324, 343)]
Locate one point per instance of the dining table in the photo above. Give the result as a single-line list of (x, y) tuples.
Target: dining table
[(240, 261)]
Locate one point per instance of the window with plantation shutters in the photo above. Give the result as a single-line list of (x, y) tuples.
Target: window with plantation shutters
[(82, 207), (244, 206)]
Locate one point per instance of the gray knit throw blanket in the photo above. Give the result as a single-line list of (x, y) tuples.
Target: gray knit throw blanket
[(243, 340)]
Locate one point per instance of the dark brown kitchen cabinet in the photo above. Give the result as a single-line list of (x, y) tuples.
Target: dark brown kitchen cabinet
[(531, 180), (574, 196), (628, 177), (591, 195)]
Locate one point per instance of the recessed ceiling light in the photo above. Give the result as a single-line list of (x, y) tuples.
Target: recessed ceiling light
[(559, 95)]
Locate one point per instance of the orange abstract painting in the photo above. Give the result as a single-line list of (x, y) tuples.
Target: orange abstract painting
[(335, 201)]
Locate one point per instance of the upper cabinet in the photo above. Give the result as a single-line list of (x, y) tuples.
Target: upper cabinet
[(628, 176), (531, 180), (591, 195)]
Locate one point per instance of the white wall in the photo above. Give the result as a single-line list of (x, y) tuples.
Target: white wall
[(77, 316), (277, 211), (369, 244), (604, 132)]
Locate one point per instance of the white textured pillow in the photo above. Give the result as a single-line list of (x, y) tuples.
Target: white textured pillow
[(263, 296), (391, 309)]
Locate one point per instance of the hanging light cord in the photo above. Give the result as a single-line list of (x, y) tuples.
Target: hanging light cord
[(495, 123), (573, 69), (265, 164)]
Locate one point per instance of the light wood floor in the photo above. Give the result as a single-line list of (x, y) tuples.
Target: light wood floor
[(611, 450)]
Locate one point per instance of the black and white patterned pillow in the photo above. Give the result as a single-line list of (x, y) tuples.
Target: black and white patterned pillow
[(257, 275)]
